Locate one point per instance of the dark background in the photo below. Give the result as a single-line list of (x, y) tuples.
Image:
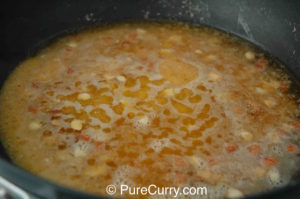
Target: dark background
[(273, 25)]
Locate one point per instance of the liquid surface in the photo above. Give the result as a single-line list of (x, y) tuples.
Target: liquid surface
[(143, 104)]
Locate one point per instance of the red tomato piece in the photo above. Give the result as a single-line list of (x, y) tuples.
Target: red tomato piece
[(69, 49), (32, 109), (125, 43), (254, 149), (70, 71), (270, 161), (261, 63), (144, 58), (284, 86), (54, 111), (231, 148), (212, 162), (84, 137), (150, 66), (35, 85), (296, 124), (292, 148), (133, 36)]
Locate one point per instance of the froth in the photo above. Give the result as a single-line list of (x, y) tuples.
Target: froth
[(122, 176)]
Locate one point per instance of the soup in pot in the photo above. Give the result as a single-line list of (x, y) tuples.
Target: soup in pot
[(153, 104)]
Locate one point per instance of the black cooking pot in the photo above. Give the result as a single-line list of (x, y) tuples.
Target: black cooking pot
[(27, 25)]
